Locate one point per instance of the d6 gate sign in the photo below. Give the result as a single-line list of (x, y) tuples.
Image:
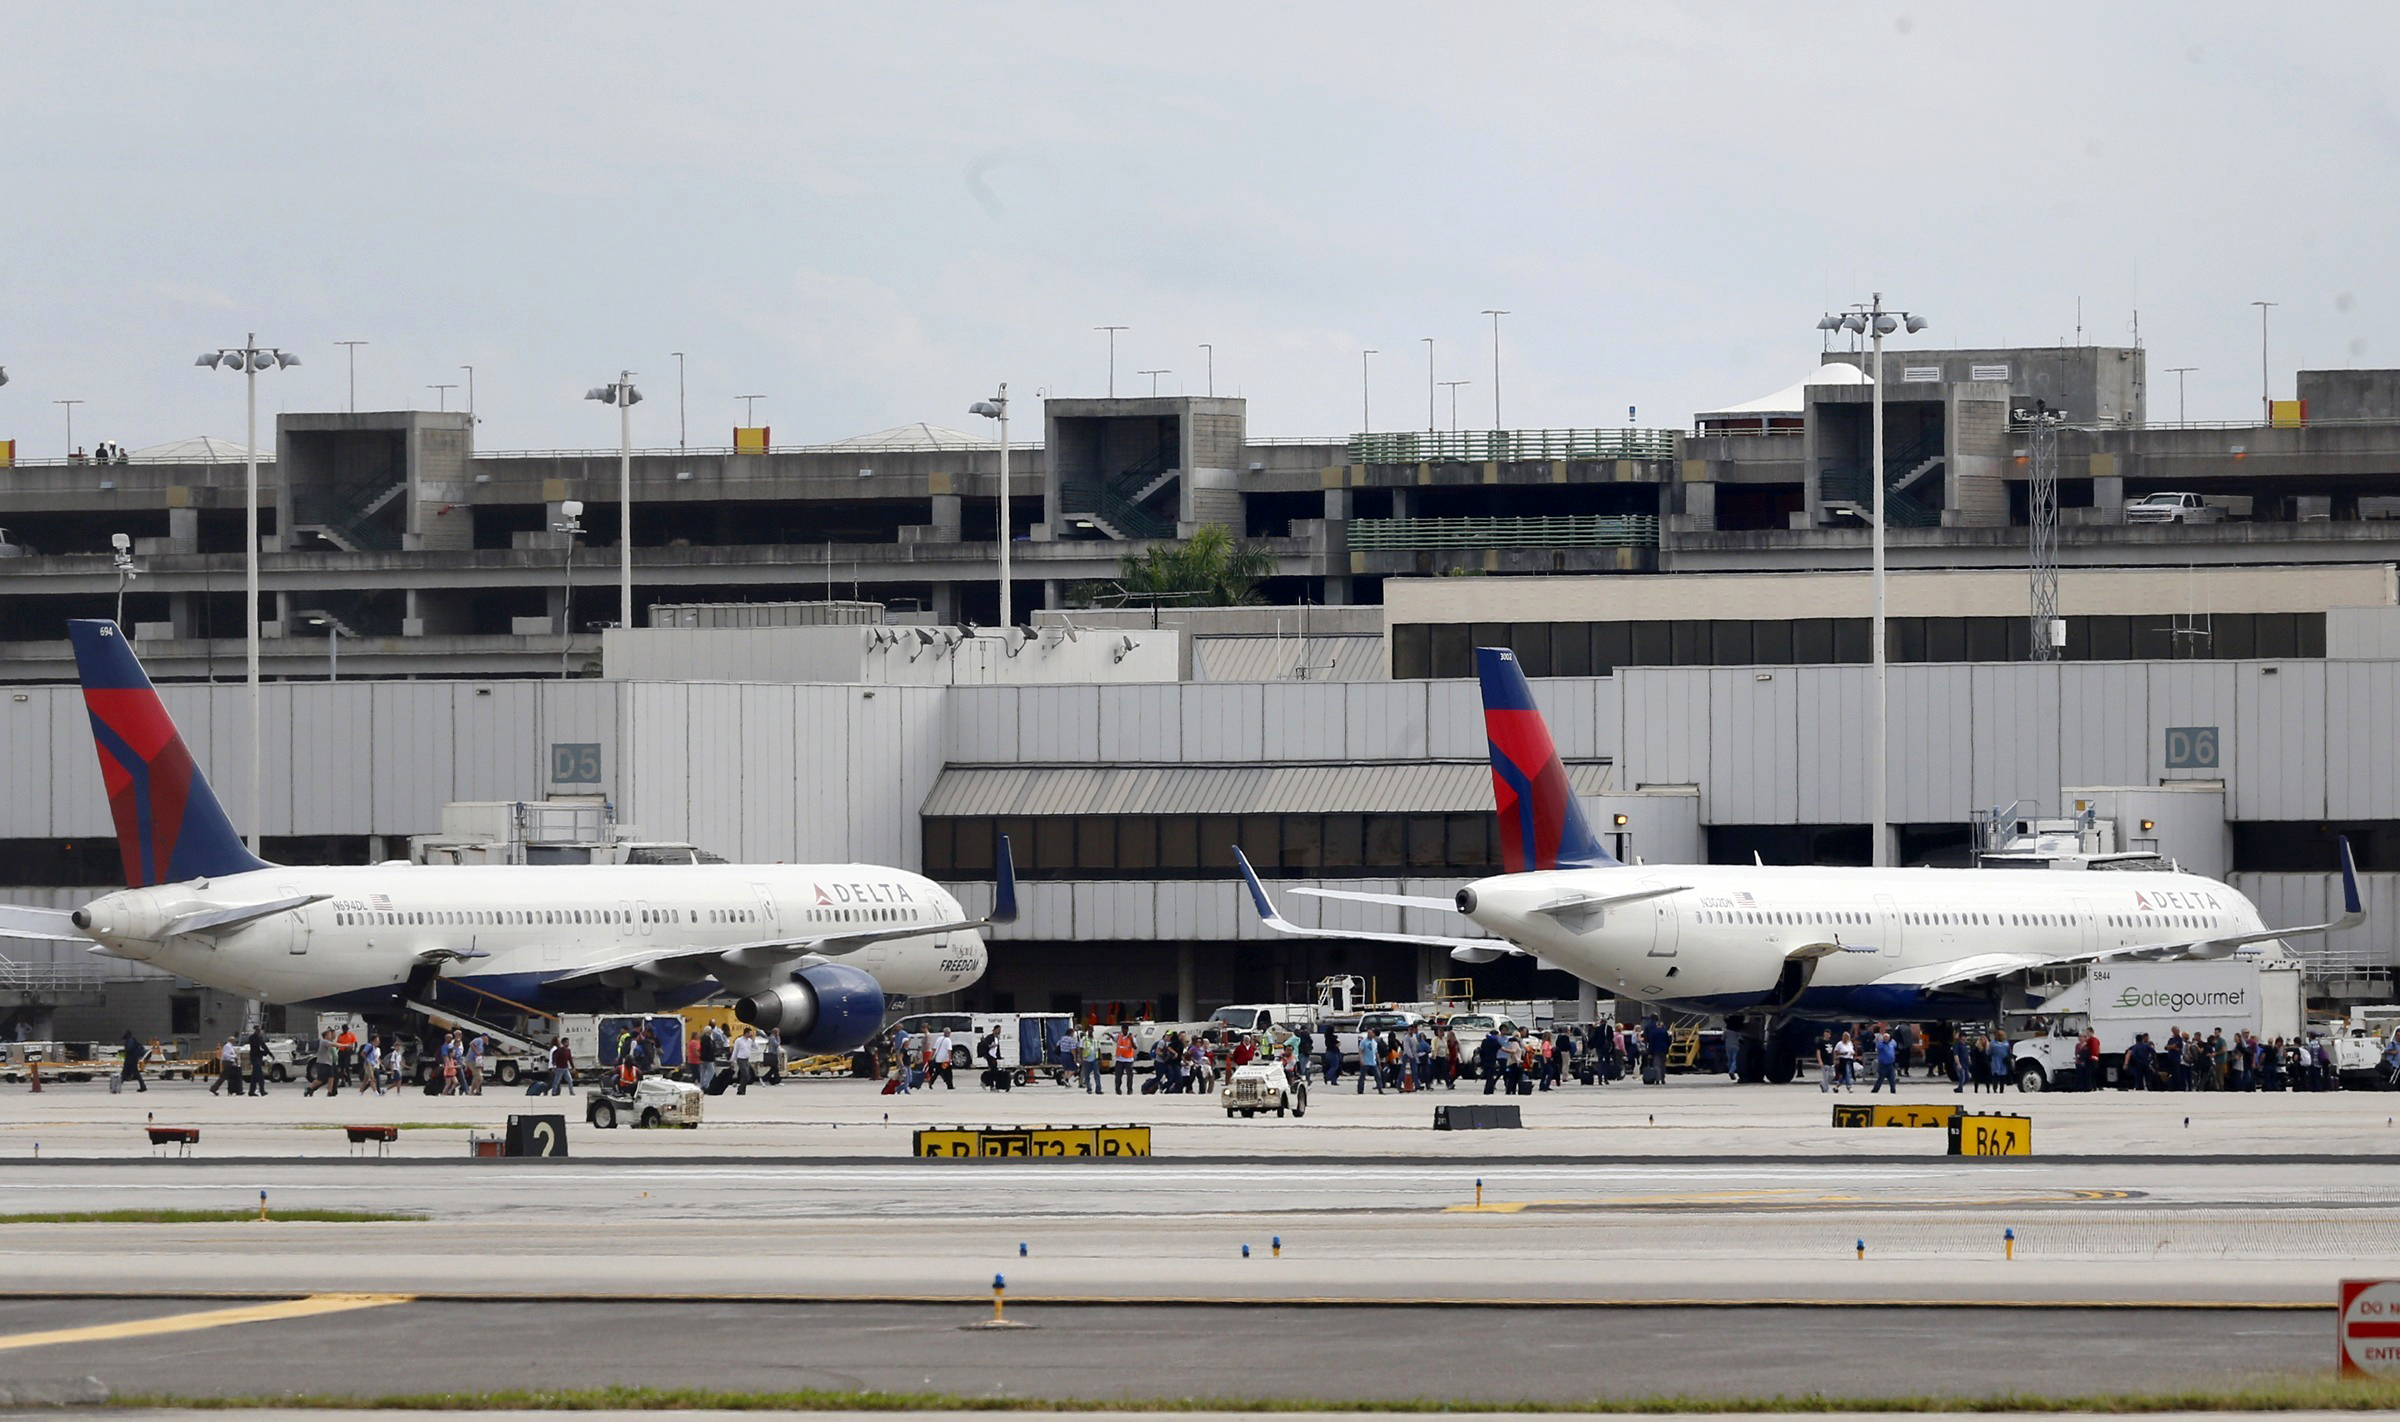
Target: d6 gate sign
[(2370, 1328)]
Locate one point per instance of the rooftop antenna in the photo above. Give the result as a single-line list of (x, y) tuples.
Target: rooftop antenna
[(2041, 518)]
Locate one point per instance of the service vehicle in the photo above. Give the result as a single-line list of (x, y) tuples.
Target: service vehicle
[(1480, 1024), (2172, 508), (1264, 1086), (2120, 1001), (654, 1101), (2356, 1056), (1030, 1042), (1259, 1016)]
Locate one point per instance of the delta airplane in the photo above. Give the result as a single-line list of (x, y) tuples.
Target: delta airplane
[(1769, 947), (810, 948)]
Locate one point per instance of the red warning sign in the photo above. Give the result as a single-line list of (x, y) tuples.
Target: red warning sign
[(2370, 1328)]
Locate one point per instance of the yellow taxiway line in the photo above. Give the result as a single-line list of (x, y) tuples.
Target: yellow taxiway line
[(206, 1318)]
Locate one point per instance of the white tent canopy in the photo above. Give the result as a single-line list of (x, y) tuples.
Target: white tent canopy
[(917, 436), (199, 449), (1793, 399)]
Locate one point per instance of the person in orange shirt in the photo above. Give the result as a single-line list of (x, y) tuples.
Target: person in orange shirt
[(345, 1055), (1124, 1061)]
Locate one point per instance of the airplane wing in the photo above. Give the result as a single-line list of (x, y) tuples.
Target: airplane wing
[(1465, 950), (1395, 900), (767, 954), (761, 953), (1983, 967), (39, 925)]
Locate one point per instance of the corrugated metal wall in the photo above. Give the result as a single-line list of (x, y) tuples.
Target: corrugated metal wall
[(777, 772)]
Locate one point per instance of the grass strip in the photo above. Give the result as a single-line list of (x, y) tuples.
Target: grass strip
[(279, 1216), (2270, 1395)]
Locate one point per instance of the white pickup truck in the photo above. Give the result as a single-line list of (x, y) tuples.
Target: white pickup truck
[(2172, 508)]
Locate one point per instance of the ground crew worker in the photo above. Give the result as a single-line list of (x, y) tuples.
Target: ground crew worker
[(1124, 1062)]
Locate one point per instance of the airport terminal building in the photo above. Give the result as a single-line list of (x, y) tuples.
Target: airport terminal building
[(804, 681)]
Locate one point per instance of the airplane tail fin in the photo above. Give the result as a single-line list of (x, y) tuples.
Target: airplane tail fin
[(1540, 825), (169, 824)]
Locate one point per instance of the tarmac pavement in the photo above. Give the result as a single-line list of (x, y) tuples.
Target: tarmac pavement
[(1258, 1353)]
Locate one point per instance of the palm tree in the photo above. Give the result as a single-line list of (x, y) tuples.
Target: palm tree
[(1208, 570)]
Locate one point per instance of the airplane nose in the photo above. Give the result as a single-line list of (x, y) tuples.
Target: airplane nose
[(1466, 900)]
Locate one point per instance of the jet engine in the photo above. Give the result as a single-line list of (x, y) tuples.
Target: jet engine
[(826, 1008)]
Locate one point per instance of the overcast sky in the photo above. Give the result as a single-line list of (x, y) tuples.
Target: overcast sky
[(869, 213)]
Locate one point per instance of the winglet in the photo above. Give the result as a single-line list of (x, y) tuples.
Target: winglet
[(1258, 891), (2354, 910), (1004, 886)]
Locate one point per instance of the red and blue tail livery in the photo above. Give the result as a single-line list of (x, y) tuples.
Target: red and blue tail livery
[(170, 827), (1540, 826)]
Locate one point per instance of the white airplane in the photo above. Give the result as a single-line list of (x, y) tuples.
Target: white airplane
[(811, 948), (1769, 947)]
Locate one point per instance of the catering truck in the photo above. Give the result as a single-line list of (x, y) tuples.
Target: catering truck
[(2120, 1001)]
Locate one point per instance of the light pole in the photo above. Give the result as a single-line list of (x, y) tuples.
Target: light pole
[(470, 370), (70, 404), (442, 395), (1154, 375), (1112, 356), (250, 360), (333, 646), (1878, 322), (624, 397), (121, 546), (570, 523), (353, 353), (1495, 315), (1366, 392), (1452, 387), (750, 410), (1212, 368), (2179, 372), (1429, 383), (680, 446), (996, 408), (2266, 402)]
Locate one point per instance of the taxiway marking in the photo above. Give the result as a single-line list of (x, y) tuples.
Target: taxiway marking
[(206, 1318)]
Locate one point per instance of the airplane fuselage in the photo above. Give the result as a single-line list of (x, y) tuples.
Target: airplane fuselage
[(1724, 942), (513, 931)]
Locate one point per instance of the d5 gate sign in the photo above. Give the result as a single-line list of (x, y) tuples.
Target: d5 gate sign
[(2370, 1328)]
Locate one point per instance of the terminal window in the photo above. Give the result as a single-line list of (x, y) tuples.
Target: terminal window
[(1443, 650)]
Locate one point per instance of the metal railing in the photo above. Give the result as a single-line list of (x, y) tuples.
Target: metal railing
[(1504, 446), (49, 978), (726, 451), (1569, 531)]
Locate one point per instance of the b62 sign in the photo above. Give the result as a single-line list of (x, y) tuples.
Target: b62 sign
[(2370, 1328)]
